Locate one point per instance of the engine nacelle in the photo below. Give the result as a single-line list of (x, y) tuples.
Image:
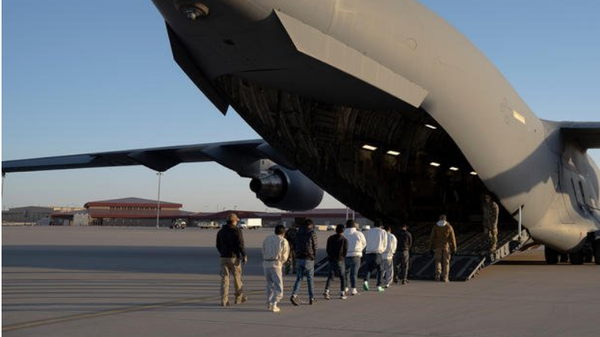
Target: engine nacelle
[(288, 190)]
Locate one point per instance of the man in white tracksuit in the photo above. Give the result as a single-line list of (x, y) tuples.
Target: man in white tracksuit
[(275, 252), (356, 245), (376, 244)]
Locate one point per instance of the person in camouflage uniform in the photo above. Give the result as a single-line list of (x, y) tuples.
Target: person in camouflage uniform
[(490, 220), (442, 243)]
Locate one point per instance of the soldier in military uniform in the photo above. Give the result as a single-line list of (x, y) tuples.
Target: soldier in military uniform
[(490, 220), (442, 243)]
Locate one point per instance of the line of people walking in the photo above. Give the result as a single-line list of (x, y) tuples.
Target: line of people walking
[(345, 251), (385, 254)]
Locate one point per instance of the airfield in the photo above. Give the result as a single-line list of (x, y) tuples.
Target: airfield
[(106, 281)]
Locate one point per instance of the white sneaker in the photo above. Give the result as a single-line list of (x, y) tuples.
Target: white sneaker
[(276, 308), (354, 292), (346, 290), (343, 295)]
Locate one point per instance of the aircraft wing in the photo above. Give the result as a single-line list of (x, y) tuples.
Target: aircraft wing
[(587, 134), (236, 155)]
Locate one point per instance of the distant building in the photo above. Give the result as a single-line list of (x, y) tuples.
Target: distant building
[(216, 220), (68, 218), (121, 212), (325, 217), (321, 217), (133, 212), (26, 215)]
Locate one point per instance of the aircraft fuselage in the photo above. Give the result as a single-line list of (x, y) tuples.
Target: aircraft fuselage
[(318, 79)]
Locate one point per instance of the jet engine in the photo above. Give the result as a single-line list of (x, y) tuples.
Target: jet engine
[(288, 190)]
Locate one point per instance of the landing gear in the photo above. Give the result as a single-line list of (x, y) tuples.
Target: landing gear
[(577, 257), (564, 258), (551, 255)]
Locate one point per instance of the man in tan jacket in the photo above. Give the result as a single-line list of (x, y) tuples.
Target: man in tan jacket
[(443, 243)]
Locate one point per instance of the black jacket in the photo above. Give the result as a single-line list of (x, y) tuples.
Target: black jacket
[(305, 244), (290, 236), (405, 241), (230, 242), (337, 247)]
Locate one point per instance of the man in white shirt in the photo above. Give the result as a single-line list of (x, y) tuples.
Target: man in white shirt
[(356, 245), (376, 244), (388, 257), (275, 251)]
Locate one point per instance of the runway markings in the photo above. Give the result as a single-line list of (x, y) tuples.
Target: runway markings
[(32, 324), (136, 308)]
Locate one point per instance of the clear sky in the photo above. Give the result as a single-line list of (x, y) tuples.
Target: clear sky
[(81, 76)]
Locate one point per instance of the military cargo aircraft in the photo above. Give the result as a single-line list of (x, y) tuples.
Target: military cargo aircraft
[(385, 106)]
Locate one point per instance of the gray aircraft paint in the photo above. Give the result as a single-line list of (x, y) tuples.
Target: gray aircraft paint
[(517, 155)]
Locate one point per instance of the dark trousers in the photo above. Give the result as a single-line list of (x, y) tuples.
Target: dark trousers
[(339, 267), (373, 261), (402, 265)]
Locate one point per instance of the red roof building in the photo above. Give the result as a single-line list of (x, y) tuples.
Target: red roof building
[(130, 212)]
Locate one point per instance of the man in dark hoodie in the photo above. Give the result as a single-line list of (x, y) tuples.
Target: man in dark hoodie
[(305, 247), (337, 247), (230, 244)]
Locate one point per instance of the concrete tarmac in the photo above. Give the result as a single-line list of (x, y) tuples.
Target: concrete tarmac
[(95, 281)]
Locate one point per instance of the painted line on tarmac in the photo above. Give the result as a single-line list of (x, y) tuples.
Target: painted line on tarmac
[(143, 307), (75, 317)]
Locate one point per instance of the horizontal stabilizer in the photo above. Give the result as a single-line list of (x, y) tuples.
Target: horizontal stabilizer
[(587, 134)]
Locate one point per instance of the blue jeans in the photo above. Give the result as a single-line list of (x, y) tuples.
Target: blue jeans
[(340, 267), (305, 267), (352, 267), (373, 262)]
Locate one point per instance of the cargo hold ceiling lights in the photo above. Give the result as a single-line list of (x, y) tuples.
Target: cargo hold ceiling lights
[(374, 148)]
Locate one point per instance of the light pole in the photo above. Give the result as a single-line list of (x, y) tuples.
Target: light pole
[(159, 174)]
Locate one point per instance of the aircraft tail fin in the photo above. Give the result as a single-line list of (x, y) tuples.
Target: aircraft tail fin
[(587, 134)]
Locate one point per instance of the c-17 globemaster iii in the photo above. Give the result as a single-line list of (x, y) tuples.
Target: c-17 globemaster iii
[(385, 106)]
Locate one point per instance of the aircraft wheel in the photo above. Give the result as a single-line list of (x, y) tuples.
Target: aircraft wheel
[(576, 258), (588, 255), (550, 255), (563, 258), (596, 250)]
